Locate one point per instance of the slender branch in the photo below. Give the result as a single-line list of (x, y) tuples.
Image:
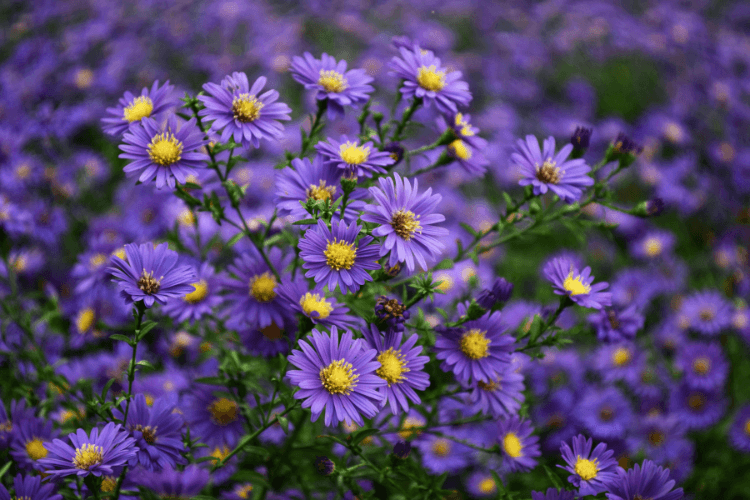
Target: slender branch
[(408, 112)]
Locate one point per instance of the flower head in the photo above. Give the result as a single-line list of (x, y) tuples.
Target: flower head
[(406, 221), (739, 432), (321, 308), (132, 108), (641, 482), (703, 364), (500, 397), (213, 416), (353, 158), (567, 280), (30, 487), (202, 300), (28, 444), (707, 312), (518, 446), (171, 483), (591, 471)]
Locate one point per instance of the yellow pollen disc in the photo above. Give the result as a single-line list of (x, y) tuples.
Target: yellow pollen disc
[(621, 356), (220, 453), (246, 108), (272, 332), (332, 81), (549, 172), (321, 191), (475, 345), (446, 282), (701, 365), (587, 469), (35, 449), (165, 149), (19, 264), (459, 149), (223, 411), (85, 320), (149, 399), (405, 224), (148, 433), (463, 125), (121, 254), (512, 445), (392, 366), (200, 292), (696, 401), (431, 79), (244, 491), (83, 78), (487, 485), (410, 423), (652, 246), (205, 346), (353, 154), (141, 107), (340, 255), (315, 303), (97, 260), (747, 427), (656, 438), (263, 287), (339, 377), (575, 286), (706, 314), (186, 218), (489, 386), (441, 447), (87, 456), (23, 171), (109, 484)]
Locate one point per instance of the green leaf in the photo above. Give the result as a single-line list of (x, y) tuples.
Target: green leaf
[(145, 328), (556, 481), (106, 389), (536, 328), (362, 434), (123, 338), (468, 228), (234, 239), (145, 363), (304, 222), (210, 380)]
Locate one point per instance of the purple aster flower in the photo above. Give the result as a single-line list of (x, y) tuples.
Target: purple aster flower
[(213, 416), (133, 108), (697, 408), (30, 487), (157, 431), (520, 449), (553, 494), (352, 158), (591, 471), (568, 281), (545, 170), (644, 481), (401, 367), (614, 324), (659, 436), (391, 314), (337, 377), (315, 305), (99, 453), (165, 153), (501, 397), (497, 295), (272, 339), (137, 275), (341, 88), (468, 157), (623, 361), (406, 221), (653, 244), (28, 442), (459, 123), (171, 483), (335, 256), (201, 301), (706, 312), (18, 410), (425, 78), (441, 454), (239, 491), (739, 432), (239, 112), (476, 351), (606, 413), (481, 484), (703, 365)]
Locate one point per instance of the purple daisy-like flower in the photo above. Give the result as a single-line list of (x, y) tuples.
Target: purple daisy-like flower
[(352, 158), (739, 432), (441, 454), (337, 377), (697, 408), (335, 256), (30, 487), (553, 494), (98, 453), (406, 221), (166, 153), (707, 312), (614, 324), (501, 397), (28, 442), (606, 414), (315, 305), (653, 244), (137, 276), (401, 367), (568, 281), (519, 447), (157, 431), (703, 365), (213, 416), (341, 88), (425, 78), (171, 483), (202, 300), (476, 351), (546, 170), (481, 484), (643, 481), (240, 112), (132, 108), (469, 157), (591, 470)]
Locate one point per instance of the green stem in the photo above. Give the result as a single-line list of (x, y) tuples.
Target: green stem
[(408, 112)]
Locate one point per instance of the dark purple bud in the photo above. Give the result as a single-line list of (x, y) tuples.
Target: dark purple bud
[(391, 313), (402, 449), (580, 141), (324, 465), (396, 151), (497, 295), (654, 207)]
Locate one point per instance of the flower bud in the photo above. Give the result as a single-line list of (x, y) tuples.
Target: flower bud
[(324, 465), (580, 141), (402, 449)]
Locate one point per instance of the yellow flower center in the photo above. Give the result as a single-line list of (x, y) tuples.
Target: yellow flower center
[(489, 386), (621, 356), (148, 284), (410, 423), (405, 224), (109, 484), (487, 485), (353, 154), (332, 81), (587, 469), (85, 320), (392, 366), (165, 149), (87, 456), (701, 365), (652, 246), (246, 108), (475, 345), (186, 218), (441, 447), (83, 78), (200, 292), (446, 282), (271, 332), (464, 125), (321, 191), (223, 411), (339, 377), (706, 314), (575, 286), (747, 426), (431, 79), (120, 253), (23, 171), (35, 449), (262, 287), (548, 173), (512, 445), (19, 264), (148, 432), (150, 399), (220, 453), (459, 149), (340, 255), (315, 303), (141, 107), (696, 401), (656, 438), (243, 491), (97, 260)]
